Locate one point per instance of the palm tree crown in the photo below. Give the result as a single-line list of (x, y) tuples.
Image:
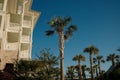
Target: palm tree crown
[(112, 58), (91, 49), (79, 57), (58, 25)]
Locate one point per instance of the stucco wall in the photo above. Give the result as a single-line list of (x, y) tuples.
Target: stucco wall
[(7, 57)]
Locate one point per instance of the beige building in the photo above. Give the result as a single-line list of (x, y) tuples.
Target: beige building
[(17, 22)]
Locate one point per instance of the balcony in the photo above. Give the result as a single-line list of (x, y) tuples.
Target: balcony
[(27, 23), (14, 27), (12, 46), (12, 37), (25, 39), (24, 54), (25, 46)]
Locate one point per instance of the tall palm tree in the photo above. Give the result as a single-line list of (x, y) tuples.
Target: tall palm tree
[(58, 25), (91, 50), (112, 58), (100, 59), (79, 58), (95, 66)]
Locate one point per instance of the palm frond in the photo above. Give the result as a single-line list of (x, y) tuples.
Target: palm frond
[(68, 34), (51, 23), (66, 37), (86, 50), (103, 61), (118, 49), (94, 60), (79, 57), (49, 32), (72, 28), (67, 19), (99, 57)]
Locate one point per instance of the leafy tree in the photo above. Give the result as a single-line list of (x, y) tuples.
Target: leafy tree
[(91, 50), (79, 58), (49, 62), (56, 73), (25, 69), (58, 25)]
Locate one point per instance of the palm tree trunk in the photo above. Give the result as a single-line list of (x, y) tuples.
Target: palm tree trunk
[(91, 68), (61, 50), (80, 71), (83, 73), (96, 73), (99, 67), (113, 62)]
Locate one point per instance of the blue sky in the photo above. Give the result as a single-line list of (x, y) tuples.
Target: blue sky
[(98, 23)]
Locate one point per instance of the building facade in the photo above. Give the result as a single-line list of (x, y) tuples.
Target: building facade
[(17, 22)]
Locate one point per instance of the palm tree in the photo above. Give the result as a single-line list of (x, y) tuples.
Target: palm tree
[(99, 59), (91, 50), (70, 72), (83, 71), (112, 58), (58, 25), (88, 71), (79, 58), (95, 66)]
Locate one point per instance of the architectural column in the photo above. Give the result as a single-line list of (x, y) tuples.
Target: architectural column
[(5, 5)]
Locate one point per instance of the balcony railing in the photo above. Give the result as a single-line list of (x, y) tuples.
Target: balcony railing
[(24, 54), (25, 39), (12, 46), (14, 27), (27, 23)]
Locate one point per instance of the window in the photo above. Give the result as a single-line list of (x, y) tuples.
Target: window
[(12, 37), (1, 4)]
